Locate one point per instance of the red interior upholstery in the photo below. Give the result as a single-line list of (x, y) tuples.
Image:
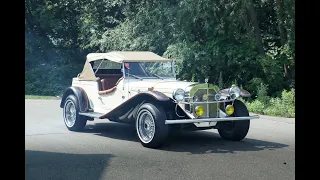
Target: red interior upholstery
[(99, 84), (107, 81)]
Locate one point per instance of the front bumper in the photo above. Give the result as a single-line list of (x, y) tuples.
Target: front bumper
[(185, 121)]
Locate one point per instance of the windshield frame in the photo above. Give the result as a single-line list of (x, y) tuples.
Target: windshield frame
[(125, 72)]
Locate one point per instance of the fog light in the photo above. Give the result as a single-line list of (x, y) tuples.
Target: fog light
[(229, 109), (199, 110)]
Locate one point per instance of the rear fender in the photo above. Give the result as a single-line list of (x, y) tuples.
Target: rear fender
[(80, 95)]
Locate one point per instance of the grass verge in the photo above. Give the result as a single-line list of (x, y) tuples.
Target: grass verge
[(39, 97)]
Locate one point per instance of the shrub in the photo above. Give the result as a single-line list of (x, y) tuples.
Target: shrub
[(49, 80), (256, 106), (252, 86), (284, 106)]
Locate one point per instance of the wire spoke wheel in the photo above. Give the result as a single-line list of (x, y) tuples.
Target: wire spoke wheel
[(72, 120), (70, 113), (146, 126)]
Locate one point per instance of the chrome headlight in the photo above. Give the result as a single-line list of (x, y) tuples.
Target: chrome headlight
[(178, 94), (195, 98), (234, 91), (217, 96)]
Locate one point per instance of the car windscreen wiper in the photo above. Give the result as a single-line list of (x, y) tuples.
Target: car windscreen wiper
[(156, 76), (137, 77)]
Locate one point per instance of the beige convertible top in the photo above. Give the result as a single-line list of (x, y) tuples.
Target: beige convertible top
[(119, 57), (126, 56)]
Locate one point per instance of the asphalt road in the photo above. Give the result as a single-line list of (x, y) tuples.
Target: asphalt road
[(107, 150)]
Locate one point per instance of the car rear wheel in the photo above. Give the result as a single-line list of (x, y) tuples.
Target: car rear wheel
[(150, 125), (72, 119), (235, 130)]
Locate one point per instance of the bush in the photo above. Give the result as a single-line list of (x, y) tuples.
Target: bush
[(262, 93), (252, 86), (284, 106), (256, 106), (49, 80)]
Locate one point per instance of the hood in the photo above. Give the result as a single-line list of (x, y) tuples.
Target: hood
[(165, 86)]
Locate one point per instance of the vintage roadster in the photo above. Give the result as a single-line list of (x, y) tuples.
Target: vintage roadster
[(140, 88)]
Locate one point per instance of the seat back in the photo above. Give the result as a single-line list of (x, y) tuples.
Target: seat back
[(109, 80)]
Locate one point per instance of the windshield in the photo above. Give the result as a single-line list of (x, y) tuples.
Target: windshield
[(150, 69)]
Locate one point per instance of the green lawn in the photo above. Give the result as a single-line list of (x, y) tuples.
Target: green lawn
[(39, 97)]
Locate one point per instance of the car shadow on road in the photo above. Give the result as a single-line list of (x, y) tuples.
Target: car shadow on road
[(196, 142), (204, 142), (113, 130), (53, 165)]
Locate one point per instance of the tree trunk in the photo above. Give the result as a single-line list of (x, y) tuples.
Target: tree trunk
[(280, 14), (254, 21), (282, 30)]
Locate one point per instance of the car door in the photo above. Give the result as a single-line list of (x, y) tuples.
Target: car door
[(110, 101)]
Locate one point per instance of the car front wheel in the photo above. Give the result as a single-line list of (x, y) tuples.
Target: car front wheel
[(72, 119), (235, 130), (150, 125)]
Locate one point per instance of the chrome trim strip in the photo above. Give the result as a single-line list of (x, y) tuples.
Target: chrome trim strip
[(184, 121), (204, 102)]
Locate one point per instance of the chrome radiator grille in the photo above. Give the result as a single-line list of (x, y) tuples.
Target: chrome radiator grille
[(203, 97)]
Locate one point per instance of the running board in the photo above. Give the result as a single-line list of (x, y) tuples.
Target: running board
[(91, 114)]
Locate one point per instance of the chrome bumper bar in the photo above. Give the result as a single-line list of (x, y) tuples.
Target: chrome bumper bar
[(184, 121)]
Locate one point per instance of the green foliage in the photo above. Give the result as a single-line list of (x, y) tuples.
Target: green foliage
[(256, 106), (253, 85), (284, 106), (205, 38), (262, 94), (276, 59), (49, 79), (39, 97)]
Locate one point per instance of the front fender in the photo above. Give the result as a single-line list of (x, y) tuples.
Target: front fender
[(81, 96), (243, 93), (155, 94), (127, 111)]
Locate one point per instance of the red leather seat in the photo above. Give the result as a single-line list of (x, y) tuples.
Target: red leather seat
[(99, 84), (109, 81)]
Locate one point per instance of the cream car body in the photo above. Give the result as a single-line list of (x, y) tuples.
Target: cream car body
[(140, 88)]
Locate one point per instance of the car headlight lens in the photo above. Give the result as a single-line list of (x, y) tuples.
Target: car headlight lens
[(195, 98), (229, 109), (178, 94), (234, 91), (217, 96), (199, 110)]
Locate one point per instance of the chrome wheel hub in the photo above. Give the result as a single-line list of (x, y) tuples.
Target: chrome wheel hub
[(145, 126), (69, 113)]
